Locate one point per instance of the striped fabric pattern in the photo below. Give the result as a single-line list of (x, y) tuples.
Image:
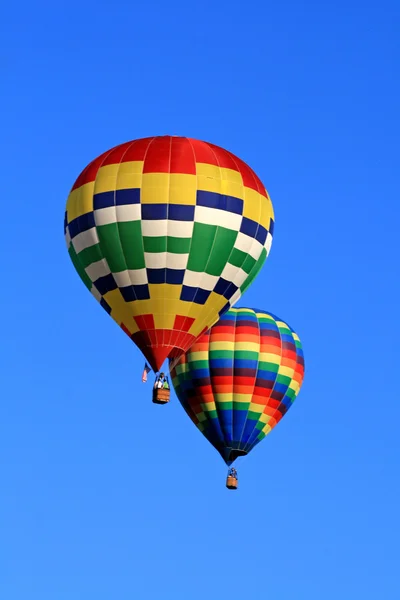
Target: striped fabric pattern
[(239, 379), (167, 233)]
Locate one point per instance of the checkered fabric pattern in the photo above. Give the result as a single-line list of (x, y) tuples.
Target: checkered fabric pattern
[(239, 379), (167, 233)]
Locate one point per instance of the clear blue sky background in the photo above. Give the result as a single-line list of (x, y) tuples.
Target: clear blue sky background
[(105, 496)]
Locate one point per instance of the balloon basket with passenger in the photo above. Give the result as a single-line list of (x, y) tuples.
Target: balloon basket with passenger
[(232, 479), (161, 389)]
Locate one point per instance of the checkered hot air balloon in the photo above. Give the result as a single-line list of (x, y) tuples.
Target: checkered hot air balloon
[(239, 379), (167, 233)]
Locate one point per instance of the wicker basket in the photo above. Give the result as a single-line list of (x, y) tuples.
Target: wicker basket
[(161, 396), (231, 483)]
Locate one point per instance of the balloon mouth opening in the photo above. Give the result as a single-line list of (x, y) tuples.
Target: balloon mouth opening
[(234, 454)]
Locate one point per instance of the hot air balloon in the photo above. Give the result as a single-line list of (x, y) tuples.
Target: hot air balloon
[(239, 379), (167, 232)]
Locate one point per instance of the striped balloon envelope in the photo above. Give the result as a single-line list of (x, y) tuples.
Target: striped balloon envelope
[(167, 233), (239, 379)]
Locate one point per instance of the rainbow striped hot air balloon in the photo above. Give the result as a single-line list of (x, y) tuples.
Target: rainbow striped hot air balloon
[(239, 379), (167, 233)]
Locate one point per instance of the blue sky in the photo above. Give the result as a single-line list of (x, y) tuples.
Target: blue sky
[(104, 495)]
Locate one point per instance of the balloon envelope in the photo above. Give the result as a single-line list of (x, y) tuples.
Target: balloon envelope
[(167, 233), (239, 379)]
